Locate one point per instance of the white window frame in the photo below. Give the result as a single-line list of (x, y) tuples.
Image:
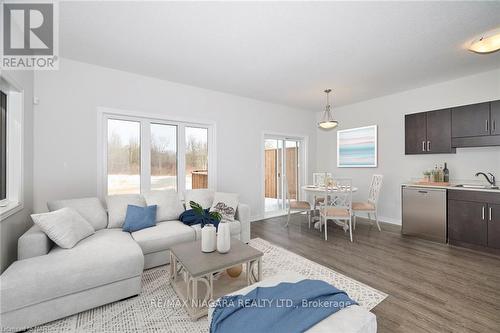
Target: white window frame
[(15, 147), (103, 114)]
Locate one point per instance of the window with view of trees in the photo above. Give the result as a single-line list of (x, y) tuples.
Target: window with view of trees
[(143, 154), (3, 146), (124, 156), (196, 157), (163, 157)]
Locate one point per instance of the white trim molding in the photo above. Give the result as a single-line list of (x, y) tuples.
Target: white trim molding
[(15, 146)]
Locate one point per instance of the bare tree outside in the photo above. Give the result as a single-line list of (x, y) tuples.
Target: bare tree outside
[(163, 157), (196, 157), (124, 156)]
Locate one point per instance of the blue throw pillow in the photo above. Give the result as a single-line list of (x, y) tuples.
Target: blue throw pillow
[(138, 218)]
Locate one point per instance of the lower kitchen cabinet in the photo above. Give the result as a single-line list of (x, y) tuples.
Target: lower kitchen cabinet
[(494, 226), (474, 218), (466, 223)]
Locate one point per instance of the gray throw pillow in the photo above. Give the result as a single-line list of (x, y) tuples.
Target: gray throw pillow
[(117, 207), (203, 197), (169, 206), (90, 209), (65, 226)]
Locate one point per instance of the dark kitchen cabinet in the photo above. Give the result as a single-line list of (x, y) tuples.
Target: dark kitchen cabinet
[(439, 132), (428, 132), (494, 226), (465, 222), (470, 120), (476, 125), (474, 218), (415, 133), (495, 118)]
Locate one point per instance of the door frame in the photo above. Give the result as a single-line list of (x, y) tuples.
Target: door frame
[(303, 162)]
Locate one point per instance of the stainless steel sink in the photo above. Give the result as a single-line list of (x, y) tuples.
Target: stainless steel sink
[(483, 187)]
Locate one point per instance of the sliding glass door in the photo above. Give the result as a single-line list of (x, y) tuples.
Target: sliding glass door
[(282, 172)]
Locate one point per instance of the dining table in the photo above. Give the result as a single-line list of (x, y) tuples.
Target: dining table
[(316, 191)]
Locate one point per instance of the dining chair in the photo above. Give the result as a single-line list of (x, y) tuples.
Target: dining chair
[(319, 179), (296, 205), (370, 206), (337, 205)]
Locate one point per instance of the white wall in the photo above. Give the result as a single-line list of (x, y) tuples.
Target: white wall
[(66, 128), (388, 113), (15, 225)]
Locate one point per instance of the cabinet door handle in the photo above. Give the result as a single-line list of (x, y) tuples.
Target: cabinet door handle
[(423, 145), (490, 211), (494, 126), (428, 146), (482, 213), (487, 125)]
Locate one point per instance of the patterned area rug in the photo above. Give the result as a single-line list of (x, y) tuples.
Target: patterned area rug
[(158, 308)]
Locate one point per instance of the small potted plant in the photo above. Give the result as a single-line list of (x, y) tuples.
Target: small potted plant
[(427, 176), (208, 230), (206, 216)]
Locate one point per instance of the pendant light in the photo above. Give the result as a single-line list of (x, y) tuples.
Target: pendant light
[(327, 121)]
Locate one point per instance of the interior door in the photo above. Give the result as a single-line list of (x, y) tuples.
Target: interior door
[(415, 133)]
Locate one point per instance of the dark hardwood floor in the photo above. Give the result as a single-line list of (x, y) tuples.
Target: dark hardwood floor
[(432, 287)]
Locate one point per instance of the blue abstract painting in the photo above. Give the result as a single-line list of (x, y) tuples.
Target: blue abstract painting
[(357, 147)]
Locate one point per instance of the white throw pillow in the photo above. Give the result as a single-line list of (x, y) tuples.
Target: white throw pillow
[(226, 204), (169, 206), (90, 209), (117, 207), (65, 226), (204, 197)]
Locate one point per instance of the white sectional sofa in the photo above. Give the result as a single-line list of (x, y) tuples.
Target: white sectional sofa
[(48, 283)]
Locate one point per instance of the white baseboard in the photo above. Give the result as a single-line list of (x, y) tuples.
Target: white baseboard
[(390, 220)]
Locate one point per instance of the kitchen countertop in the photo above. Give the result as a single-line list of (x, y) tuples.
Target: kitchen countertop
[(452, 187)]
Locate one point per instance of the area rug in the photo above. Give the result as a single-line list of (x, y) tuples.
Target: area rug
[(158, 309)]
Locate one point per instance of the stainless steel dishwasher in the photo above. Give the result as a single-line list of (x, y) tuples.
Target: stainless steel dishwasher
[(424, 213)]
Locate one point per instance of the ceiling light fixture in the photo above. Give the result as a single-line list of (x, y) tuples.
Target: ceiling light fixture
[(487, 43), (327, 121)]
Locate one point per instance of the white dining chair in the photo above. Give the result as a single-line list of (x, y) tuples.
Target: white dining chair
[(370, 206), (319, 179), (296, 206), (337, 205)]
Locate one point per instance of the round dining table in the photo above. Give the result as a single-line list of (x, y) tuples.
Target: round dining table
[(314, 191)]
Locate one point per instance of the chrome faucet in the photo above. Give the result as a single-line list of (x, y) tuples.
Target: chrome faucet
[(491, 180)]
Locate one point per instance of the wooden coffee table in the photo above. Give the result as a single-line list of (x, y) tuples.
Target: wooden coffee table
[(192, 273)]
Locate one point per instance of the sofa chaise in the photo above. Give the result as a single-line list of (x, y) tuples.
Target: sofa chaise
[(48, 282)]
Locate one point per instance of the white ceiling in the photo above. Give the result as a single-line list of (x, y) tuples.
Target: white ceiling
[(286, 52)]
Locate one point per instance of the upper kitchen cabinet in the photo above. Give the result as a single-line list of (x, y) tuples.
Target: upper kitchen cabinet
[(439, 132), (495, 118), (415, 133), (476, 125), (470, 120), (428, 132)]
